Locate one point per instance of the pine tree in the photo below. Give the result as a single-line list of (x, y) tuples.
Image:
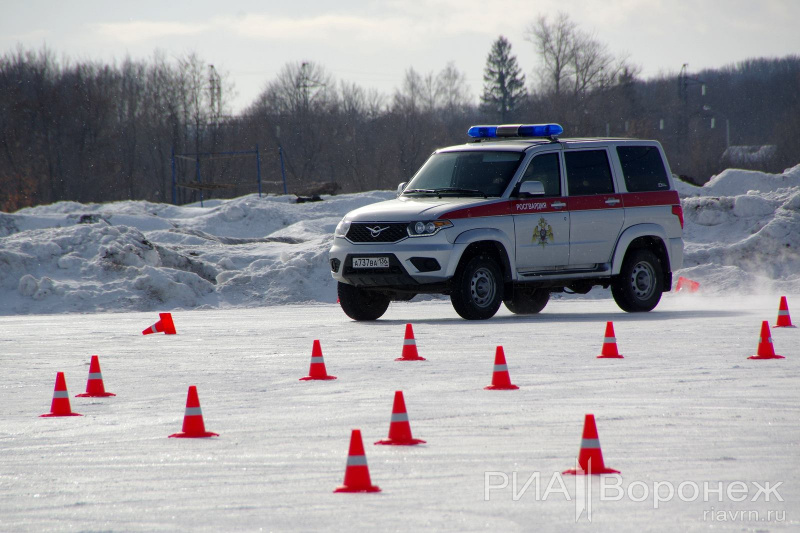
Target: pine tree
[(503, 82)]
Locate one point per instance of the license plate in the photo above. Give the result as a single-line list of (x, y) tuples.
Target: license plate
[(370, 262)]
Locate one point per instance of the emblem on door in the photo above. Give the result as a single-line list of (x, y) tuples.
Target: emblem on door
[(543, 233)]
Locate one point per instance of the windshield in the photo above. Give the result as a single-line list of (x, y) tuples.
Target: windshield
[(475, 173)]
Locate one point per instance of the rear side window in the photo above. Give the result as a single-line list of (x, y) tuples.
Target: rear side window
[(588, 172), (642, 168)]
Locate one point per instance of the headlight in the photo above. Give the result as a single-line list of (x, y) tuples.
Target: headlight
[(424, 228), (342, 228)]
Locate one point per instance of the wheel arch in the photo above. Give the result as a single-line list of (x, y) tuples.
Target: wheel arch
[(490, 242), (647, 236)]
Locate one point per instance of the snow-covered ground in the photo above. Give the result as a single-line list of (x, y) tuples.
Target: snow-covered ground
[(685, 408), (742, 233), (247, 281)]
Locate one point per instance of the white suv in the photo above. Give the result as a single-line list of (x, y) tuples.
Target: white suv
[(511, 217)]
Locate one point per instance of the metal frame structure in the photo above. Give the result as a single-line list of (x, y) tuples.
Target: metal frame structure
[(199, 185)]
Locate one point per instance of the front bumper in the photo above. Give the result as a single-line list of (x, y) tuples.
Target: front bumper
[(410, 262)]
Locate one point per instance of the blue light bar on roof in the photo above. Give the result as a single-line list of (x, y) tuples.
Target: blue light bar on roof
[(516, 130)]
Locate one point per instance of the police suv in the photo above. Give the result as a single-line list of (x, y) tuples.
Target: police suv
[(511, 217)]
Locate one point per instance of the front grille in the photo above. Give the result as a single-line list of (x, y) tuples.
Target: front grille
[(390, 231)]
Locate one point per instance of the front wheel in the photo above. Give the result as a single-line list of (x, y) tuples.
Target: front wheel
[(527, 301), (639, 285), (359, 304), (477, 288)]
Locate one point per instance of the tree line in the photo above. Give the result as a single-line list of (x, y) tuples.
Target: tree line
[(93, 132)]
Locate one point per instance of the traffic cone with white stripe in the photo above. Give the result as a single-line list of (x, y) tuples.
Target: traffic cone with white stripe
[(399, 428), (164, 325), (60, 405), (317, 368), (501, 380), (765, 348), (784, 320), (609, 350), (356, 474), (193, 426), (94, 386), (410, 347), (590, 458)]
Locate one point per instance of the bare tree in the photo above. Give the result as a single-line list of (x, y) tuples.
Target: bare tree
[(453, 89), (574, 61)]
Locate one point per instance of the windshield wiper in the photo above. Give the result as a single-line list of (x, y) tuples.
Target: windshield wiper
[(425, 191), (459, 190)]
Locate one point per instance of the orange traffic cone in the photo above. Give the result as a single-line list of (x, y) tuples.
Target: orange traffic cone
[(356, 474), (410, 347), (60, 405), (765, 348), (784, 320), (590, 458), (94, 386), (609, 344), (501, 380), (193, 426), (164, 324), (399, 428), (686, 284), (317, 368)]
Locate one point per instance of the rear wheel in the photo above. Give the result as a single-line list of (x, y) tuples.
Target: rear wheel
[(359, 304), (477, 288), (639, 285), (527, 301)]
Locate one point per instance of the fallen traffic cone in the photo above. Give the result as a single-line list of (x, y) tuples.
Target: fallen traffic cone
[(399, 428), (501, 380), (164, 324), (193, 426), (765, 348), (94, 386), (60, 405), (317, 368), (356, 474), (609, 350), (687, 284), (784, 320), (410, 347), (590, 458)]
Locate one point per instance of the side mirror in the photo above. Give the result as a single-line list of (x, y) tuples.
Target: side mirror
[(403, 186), (531, 188)]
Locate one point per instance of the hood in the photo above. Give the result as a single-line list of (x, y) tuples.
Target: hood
[(407, 209)]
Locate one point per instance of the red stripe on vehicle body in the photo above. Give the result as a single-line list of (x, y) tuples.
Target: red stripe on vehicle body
[(574, 203), (486, 210), (591, 202), (644, 199)]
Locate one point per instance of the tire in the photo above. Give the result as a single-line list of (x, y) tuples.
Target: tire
[(359, 304), (477, 288), (527, 301), (639, 285)]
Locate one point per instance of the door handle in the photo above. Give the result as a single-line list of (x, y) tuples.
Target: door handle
[(612, 201), (558, 205)]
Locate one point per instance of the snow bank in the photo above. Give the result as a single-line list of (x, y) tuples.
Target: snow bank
[(125, 256), (742, 233)]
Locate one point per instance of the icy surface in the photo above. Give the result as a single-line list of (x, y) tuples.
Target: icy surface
[(685, 405)]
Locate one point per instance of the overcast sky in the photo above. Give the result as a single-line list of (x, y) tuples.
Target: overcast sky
[(372, 43)]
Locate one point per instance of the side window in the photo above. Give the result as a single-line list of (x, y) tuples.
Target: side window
[(642, 168), (588, 172), (545, 168)]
